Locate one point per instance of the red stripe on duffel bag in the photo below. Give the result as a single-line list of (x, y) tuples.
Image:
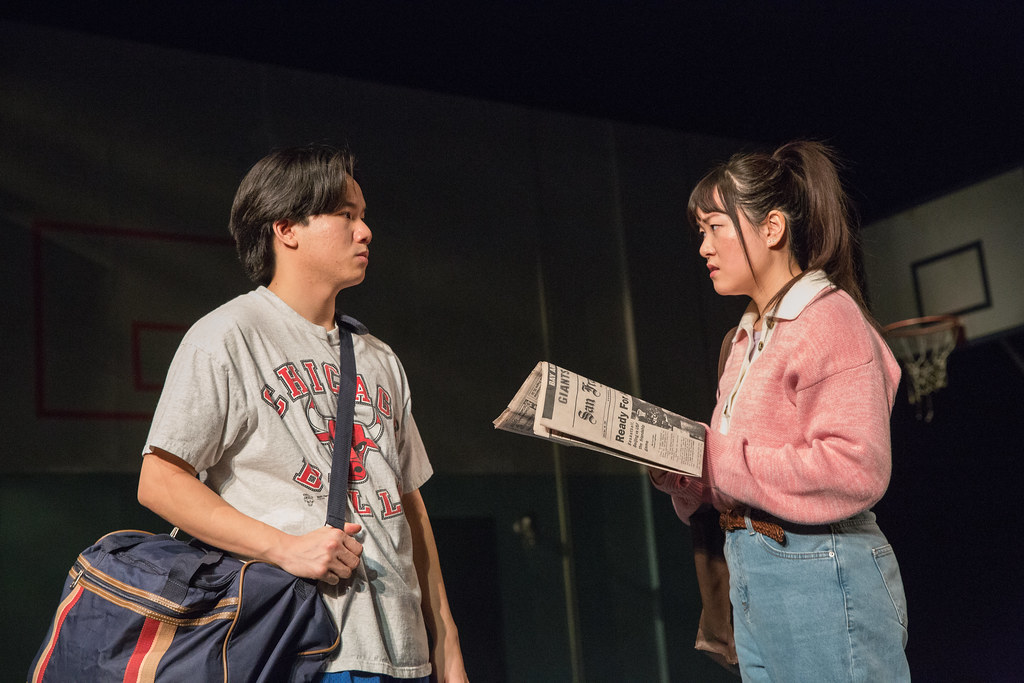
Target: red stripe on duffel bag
[(58, 621), (147, 636), (161, 643)]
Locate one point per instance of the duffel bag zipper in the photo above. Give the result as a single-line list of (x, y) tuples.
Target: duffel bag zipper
[(149, 604)]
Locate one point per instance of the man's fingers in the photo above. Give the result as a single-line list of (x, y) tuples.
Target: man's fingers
[(352, 545), (349, 557)]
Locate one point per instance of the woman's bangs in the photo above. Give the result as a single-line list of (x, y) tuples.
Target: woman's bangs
[(706, 198)]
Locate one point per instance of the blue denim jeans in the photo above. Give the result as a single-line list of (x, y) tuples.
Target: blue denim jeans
[(828, 605)]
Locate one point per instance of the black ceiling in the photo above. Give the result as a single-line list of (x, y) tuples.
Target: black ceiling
[(920, 97)]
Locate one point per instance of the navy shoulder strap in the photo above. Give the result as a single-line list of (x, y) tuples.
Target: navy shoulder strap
[(337, 501)]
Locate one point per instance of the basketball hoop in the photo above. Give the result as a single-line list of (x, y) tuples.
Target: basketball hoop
[(922, 346)]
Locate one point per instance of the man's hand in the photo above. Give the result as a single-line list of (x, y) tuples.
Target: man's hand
[(326, 554), (168, 486)]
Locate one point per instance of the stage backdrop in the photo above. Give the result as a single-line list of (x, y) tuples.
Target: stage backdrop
[(118, 168)]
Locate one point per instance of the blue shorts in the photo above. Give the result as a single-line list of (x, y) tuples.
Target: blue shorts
[(362, 677)]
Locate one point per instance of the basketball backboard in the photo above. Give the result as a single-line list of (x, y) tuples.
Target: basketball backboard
[(958, 255)]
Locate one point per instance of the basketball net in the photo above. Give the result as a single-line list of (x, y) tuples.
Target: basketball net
[(922, 346)]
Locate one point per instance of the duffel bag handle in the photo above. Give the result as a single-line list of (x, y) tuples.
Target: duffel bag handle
[(184, 569), (117, 541)]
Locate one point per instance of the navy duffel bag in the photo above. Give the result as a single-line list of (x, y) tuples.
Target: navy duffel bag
[(139, 607), (143, 607)]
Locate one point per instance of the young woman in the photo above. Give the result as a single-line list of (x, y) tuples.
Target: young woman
[(798, 447)]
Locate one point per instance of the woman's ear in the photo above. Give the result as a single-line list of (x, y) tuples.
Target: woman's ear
[(775, 228)]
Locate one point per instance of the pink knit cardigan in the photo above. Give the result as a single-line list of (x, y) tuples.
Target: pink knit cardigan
[(808, 440)]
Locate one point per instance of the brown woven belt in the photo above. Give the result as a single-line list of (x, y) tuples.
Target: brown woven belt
[(731, 520)]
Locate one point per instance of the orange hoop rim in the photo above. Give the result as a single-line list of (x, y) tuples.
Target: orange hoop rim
[(928, 324)]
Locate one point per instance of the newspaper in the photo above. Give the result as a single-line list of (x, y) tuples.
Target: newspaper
[(562, 406)]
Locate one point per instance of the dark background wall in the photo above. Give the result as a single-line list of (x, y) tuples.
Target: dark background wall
[(503, 235)]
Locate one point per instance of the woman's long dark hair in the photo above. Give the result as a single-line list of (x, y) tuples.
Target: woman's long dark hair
[(800, 179)]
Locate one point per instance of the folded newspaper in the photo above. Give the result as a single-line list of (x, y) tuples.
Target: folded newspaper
[(562, 406)]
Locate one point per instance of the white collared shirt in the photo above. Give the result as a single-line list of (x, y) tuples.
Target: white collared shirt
[(796, 299)]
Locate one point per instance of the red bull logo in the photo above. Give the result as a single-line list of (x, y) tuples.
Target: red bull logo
[(364, 441), (301, 383), (365, 438)]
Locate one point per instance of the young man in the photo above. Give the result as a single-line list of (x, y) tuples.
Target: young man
[(250, 401)]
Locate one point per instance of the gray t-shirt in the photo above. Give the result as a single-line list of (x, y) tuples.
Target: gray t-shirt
[(250, 401)]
